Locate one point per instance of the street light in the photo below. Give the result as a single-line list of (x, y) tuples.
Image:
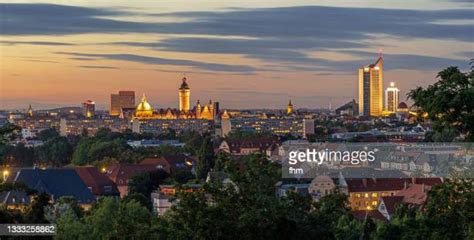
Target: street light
[(5, 175)]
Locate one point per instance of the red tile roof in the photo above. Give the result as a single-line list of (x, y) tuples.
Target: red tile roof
[(96, 181), (120, 174), (386, 184), (170, 163), (415, 194), (376, 185)]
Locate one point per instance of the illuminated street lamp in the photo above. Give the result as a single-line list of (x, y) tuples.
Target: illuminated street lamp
[(5, 175)]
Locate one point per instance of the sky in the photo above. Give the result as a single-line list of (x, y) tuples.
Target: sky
[(244, 54)]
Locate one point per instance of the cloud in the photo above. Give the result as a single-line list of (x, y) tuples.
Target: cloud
[(283, 36), (41, 43), (204, 72), (42, 61), (98, 67), (317, 22), (165, 61), (51, 19), (83, 59)]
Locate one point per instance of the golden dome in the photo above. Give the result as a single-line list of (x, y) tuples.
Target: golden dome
[(144, 109)]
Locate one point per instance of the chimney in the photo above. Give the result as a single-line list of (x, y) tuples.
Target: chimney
[(413, 180), (405, 185)]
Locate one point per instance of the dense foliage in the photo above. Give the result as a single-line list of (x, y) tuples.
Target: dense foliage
[(449, 104)]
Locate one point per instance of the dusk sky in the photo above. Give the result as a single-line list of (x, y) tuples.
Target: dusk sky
[(244, 54)]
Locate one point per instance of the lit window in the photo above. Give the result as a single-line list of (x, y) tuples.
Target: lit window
[(366, 195), (374, 194)]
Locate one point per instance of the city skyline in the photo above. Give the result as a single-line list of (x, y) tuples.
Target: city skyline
[(229, 51)]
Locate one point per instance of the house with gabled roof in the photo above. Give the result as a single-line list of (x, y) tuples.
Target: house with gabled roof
[(97, 182), (56, 183)]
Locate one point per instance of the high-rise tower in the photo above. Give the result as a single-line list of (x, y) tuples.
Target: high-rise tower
[(370, 89), (184, 96), (391, 98)]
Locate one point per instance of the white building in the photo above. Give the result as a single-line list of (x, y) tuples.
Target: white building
[(392, 95)]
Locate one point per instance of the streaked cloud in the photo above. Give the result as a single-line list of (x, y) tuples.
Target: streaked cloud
[(165, 61), (325, 23), (41, 43), (98, 67)]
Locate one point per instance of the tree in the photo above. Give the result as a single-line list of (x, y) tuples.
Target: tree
[(8, 133), (146, 183), (205, 158), (19, 155), (36, 211), (250, 209), (109, 219), (449, 103), (48, 134), (61, 207), (448, 214), (56, 151)]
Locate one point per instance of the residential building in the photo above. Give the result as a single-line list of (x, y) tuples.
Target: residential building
[(97, 182), (171, 163), (121, 174), (164, 198), (321, 186), (247, 146), (365, 193), (56, 183)]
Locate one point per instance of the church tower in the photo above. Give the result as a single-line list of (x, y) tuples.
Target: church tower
[(289, 109), (184, 96), (30, 111)]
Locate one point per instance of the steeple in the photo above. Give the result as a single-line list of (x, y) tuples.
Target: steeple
[(30, 111), (184, 84), (289, 109)]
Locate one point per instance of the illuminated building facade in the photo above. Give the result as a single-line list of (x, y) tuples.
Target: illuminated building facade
[(208, 111), (124, 99), (88, 109), (78, 126), (277, 126), (163, 126), (391, 98), (370, 89)]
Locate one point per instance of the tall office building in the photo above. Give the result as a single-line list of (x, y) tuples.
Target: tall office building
[(88, 109), (391, 98), (124, 99), (370, 89), (184, 93)]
